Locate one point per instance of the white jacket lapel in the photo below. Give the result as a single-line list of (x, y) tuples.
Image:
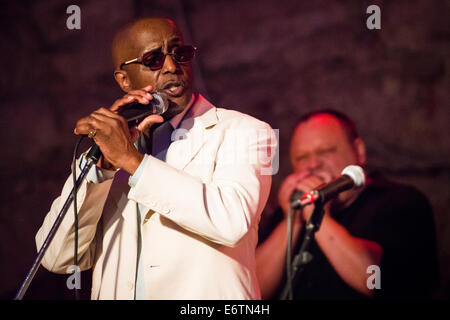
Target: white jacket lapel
[(192, 133)]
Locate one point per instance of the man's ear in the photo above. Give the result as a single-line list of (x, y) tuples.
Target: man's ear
[(122, 79), (360, 149)]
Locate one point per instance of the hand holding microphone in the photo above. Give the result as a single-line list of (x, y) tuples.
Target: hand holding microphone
[(114, 130), (352, 177)]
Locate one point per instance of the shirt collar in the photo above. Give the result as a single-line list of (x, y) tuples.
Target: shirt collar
[(175, 121)]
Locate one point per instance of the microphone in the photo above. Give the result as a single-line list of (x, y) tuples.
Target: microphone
[(134, 113), (352, 176), (296, 194)]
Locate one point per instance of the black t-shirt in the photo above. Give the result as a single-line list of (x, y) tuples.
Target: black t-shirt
[(397, 217)]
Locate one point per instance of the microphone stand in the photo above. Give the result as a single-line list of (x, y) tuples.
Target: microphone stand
[(92, 157), (303, 257)]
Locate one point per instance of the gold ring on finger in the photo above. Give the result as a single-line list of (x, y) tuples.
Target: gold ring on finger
[(92, 133)]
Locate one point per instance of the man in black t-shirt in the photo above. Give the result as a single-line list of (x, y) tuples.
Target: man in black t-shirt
[(383, 228)]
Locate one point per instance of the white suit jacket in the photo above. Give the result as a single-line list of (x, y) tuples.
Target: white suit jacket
[(200, 234)]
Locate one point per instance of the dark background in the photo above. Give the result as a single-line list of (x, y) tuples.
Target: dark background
[(271, 59)]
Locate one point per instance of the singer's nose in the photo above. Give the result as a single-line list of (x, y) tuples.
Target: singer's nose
[(169, 65)]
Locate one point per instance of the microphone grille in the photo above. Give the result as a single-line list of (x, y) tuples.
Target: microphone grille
[(356, 173), (160, 103)]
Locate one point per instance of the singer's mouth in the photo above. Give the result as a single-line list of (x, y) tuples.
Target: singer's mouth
[(173, 88)]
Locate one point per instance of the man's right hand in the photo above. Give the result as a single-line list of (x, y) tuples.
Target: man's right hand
[(287, 187), (298, 181), (113, 136)]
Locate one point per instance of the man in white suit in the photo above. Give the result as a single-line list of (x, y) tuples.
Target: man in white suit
[(181, 224)]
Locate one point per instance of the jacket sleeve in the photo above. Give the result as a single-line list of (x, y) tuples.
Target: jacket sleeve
[(223, 209), (90, 201)]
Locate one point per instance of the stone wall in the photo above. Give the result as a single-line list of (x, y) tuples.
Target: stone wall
[(272, 59)]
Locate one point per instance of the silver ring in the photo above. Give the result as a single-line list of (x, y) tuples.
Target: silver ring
[(92, 134)]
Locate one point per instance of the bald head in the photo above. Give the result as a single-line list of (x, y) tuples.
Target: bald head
[(130, 40), (153, 36)]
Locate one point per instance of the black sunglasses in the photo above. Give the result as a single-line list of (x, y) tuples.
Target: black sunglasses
[(155, 59)]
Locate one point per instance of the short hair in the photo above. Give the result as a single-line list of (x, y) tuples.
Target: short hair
[(347, 124)]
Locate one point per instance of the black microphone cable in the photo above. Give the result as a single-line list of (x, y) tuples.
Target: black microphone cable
[(75, 211)]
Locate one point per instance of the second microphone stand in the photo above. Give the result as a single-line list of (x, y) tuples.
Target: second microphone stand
[(303, 257)]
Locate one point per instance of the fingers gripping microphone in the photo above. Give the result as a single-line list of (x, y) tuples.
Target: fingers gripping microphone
[(134, 113), (296, 194), (352, 176)]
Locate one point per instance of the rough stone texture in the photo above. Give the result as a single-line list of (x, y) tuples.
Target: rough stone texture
[(271, 59)]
